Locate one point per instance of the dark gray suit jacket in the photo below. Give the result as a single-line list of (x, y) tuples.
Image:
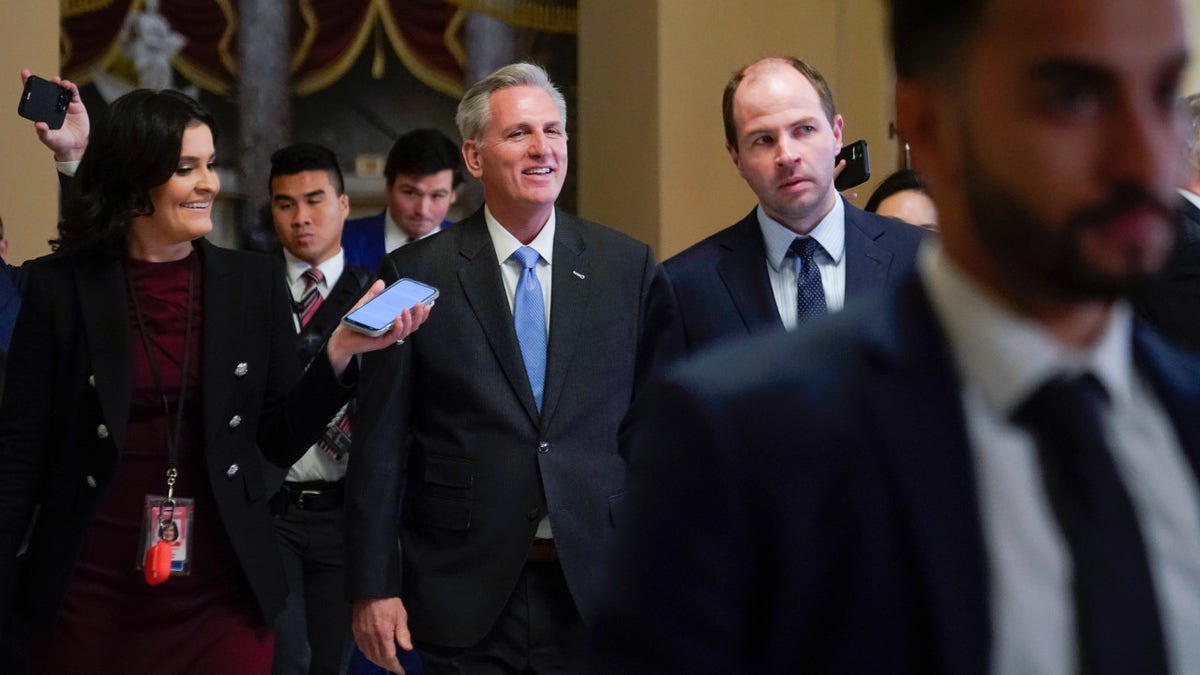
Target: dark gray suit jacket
[(451, 414), (720, 288), (1172, 300)]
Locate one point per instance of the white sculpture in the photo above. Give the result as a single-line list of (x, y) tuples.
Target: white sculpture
[(148, 41)]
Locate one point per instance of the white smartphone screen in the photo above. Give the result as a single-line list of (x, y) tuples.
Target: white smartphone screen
[(377, 314)]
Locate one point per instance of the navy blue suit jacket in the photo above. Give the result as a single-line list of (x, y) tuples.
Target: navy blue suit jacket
[(721, 288), (818, 515), (1172, 300), (363, 240)]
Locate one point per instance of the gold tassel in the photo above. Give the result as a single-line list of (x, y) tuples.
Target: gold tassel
[(379, 62)]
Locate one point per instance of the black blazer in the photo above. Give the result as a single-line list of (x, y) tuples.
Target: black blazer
[(720, 287), (66, 404), (451, 413), (1172, 300), (819, 515)]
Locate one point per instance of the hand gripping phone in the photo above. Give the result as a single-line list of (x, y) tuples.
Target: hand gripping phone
[(375, 317), (858, 166), (44, 101)]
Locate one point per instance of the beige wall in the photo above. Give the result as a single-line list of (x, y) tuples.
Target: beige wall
[(28, 187), (651, 159)]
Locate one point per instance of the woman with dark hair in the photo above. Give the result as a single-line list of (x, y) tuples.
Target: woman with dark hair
[(151, 372), (904, 196)]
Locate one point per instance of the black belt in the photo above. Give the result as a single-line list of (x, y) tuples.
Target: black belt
[(316, 495)]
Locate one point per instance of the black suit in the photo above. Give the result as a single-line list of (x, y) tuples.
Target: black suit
[(721, 289), (452, 414), (1172, 301), (819, 515), (65, 409)]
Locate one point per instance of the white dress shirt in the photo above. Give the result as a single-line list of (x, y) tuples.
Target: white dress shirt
[(316, 464), (1002, 358), (830, 233), (394, 237), (510, 271)]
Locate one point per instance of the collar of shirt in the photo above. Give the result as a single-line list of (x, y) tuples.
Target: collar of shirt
[(394, 237), (506, 244), (1191, 197), (1006, 355), (830, 233), (332, 269)]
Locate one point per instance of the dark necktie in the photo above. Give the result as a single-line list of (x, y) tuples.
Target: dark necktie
[(1116, 612), (810, 293), (311, 300), (529, 318)]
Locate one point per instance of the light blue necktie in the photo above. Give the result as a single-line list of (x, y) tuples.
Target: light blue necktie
[(810, 293), (529, 317)]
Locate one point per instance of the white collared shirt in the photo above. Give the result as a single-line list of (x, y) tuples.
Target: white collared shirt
[(316, 464), (510, 270), (1002, 358), (830, 233)]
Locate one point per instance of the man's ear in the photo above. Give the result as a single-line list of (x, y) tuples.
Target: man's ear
[(470, 153)]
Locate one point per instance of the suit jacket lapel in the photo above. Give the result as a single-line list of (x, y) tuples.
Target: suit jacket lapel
[(224, 323), (866, 261), (571, 282), (484, 290), (1175, 382), (104, 304), (743, 269), (923, 444)]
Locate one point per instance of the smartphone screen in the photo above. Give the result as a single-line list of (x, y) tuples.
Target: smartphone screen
[(375, 316)]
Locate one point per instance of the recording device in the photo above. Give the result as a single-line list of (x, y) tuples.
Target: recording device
[(44, 101), (858, 166), (376, 316)]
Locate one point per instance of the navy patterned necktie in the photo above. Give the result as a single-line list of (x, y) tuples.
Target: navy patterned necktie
[(1116, 610), (810, 293)]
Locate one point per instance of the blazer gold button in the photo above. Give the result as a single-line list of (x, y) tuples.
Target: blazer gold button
[(231, 471), (235, 421), (241, 369), (91, 481), (102, 431), (543, 447), (92, 380)]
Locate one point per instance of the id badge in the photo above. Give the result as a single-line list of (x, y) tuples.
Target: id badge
[(170, 524)]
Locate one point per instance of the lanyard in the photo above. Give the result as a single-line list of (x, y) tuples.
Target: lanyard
[(173, 440)]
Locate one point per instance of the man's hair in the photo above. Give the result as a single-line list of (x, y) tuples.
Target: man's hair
[(1191, 107), (300, 157), (928, 35), (474, 112), (423, 152), (811, 74)]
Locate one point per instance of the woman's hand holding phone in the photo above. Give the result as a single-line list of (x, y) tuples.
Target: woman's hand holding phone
[(345, 343)]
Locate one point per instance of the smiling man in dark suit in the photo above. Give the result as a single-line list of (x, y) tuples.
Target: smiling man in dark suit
[(783, 135), (499, 432), (993, 470)]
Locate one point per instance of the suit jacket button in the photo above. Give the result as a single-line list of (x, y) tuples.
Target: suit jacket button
[(543, 447), (91, 481), (235, 421), (102, 431), (533, 513), (231, 471), (241, 369)]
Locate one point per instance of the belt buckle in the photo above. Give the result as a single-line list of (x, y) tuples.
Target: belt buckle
[(303, 493)]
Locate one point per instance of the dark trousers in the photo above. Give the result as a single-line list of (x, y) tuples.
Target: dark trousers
[(538, 632), (313, 633)]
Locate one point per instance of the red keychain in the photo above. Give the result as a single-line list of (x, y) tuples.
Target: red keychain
[(158, 563)]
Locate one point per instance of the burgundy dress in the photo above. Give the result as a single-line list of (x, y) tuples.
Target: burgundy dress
[(112, 620)]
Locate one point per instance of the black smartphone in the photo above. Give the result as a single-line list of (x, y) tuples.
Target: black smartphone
[(44, 101), (858, 166), (375, 317)]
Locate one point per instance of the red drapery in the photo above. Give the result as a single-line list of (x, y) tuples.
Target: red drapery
[(327, 38)]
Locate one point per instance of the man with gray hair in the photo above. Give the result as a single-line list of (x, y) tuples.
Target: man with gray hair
[(1172, 301), (496, 437)]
